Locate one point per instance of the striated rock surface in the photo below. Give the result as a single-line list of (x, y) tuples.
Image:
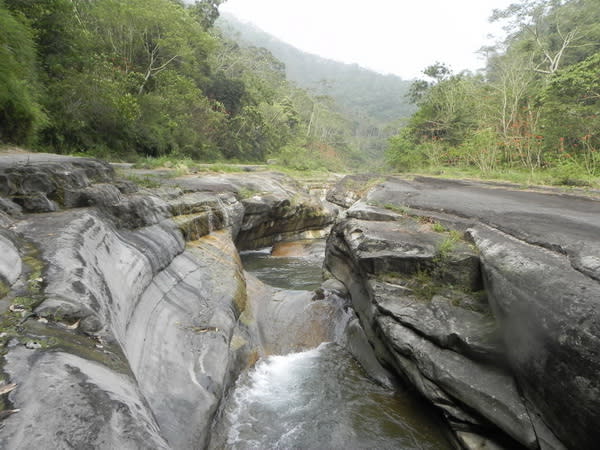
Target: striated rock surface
[(120, 307), (549, 315), (417, 306), (503, 364)]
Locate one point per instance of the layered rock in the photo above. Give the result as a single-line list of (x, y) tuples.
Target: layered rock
[(120, 308), (419, 311), (502, 364)]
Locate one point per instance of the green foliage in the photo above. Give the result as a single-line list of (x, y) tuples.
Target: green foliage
[(481, 149), (536, 109), (116, 78), (403, 153), (367, 106), (206, 12), (438, 227), (20, 112), (300, 158)]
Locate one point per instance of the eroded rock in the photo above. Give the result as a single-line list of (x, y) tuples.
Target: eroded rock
[(551, 325), (126, 330), (414, 295)]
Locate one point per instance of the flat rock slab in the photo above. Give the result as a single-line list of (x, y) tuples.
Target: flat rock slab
[(566, 223)]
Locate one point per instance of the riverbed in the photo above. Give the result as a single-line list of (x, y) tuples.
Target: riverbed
[(319, 397)]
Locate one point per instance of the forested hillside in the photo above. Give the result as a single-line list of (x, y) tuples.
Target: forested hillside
[(536, 108), (360, 92), (153, 77), (136, 78)]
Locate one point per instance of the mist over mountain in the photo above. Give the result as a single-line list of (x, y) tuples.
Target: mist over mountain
[(362, 93)]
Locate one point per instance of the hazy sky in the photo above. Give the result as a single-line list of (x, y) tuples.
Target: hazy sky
[(389, 36)]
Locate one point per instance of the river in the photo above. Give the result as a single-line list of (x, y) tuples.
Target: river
[(318, 398)]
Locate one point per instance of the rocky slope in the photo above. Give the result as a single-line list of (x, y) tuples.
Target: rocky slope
[(485, 300), (120, 309)]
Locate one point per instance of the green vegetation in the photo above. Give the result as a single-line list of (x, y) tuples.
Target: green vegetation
[(533, 115), (403, 210), (155, 81), (148, 182), (372, 106), (446, 246), (124, 79), (438, 227)]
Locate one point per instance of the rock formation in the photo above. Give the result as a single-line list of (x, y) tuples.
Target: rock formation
[(120, 309), (485, 300), (125, 313)]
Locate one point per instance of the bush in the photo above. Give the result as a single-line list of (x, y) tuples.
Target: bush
[(20, 114), (403, 154)]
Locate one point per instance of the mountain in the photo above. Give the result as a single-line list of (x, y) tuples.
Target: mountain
[(362, 94)]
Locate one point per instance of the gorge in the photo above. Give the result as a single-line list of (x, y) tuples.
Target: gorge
[(127, 315)]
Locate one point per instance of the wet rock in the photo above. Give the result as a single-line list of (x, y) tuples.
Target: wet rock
[(182, 365), (359, 346), (143, 320), (269, 218), (335, 286), (551, 325), (417, 323), (541, 269), (290, 321), (487, 390), (472, 441), (199, 213), (9, 207), (471, 333)]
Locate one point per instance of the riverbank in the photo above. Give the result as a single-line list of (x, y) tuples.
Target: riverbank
[(128, 306)]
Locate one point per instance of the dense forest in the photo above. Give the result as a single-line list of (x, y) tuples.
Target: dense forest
[(120, 78), (536, 107), (137, 78)]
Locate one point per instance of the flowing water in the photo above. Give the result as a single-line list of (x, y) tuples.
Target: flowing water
[(319, 398)]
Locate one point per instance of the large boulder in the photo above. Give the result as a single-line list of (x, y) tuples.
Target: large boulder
[(536, 323), (550, 321), (413, 289)]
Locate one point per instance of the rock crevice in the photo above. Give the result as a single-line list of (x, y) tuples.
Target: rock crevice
[(128, 314), (484, 300)]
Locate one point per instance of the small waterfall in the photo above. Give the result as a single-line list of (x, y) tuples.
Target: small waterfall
[(319, 397)]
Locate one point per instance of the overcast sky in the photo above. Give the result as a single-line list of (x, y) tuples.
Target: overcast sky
[(389, 36)]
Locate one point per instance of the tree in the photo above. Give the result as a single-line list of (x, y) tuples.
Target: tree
[(206, 12), (20, 112), (549, 29), (572, 112), (147, 36)]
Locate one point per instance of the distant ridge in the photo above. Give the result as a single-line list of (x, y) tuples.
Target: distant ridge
[(362, 93)]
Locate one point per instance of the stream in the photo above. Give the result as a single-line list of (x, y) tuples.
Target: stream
[(319, 397)]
